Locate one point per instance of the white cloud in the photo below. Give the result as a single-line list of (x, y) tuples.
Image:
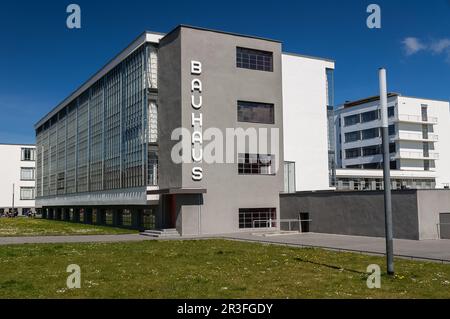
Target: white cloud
[(440, 46), (413, 45)]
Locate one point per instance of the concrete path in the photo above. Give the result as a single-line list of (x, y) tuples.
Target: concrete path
[(437, 250), (71, 239)]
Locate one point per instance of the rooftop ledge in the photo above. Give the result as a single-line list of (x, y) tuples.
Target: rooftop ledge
[(174, 191)]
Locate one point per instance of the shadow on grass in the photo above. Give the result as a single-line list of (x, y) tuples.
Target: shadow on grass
[(329, 266)]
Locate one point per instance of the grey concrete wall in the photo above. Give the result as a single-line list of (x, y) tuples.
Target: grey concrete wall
[(354, 213), (431, 203), (223, 85), (169, 108)]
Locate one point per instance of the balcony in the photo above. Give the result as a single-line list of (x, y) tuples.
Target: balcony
[(416, 136), (416, 155), (417, 119)]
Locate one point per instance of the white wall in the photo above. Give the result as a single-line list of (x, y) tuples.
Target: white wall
[(10, 164), (440, 110), (305, 120)]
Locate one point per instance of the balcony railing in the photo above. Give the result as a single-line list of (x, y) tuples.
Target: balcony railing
[(417, 119), (416, 136), (416, 155)]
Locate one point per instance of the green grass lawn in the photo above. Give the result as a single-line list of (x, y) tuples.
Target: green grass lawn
[(208, 269), (43, 227)]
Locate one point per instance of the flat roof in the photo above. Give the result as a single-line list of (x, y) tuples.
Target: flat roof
[(219, 31), (17, 144), (309, 57), (377, 97), (367, 100)]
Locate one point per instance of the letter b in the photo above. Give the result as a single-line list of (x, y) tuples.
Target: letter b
[(196, 67)]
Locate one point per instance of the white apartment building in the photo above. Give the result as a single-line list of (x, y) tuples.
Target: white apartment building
[(308, 94), (17, 178), (419, 131)]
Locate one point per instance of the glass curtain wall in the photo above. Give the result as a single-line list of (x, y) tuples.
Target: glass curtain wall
[(100, 141)]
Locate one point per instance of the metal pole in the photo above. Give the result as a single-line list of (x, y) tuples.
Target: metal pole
[(386, 173), (13, 197)]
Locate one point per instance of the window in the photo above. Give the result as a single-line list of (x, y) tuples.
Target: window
[(426, 165), (370, 133), (27, 173), (257, 217), (27, 193), (352, 153), (330, 87), (126, 218), (369, 116), (393, 164), (372, 166), (254, 59), (255, 112), (391, 130), (289, 177), (392, 148), (352, 136), (391, 111), (371, 150), (152, 168), (351, 120), (257, 164), (28, 154)]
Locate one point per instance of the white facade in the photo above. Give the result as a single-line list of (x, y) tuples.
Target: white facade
[(419, 136), (17, 172), (305, 101)]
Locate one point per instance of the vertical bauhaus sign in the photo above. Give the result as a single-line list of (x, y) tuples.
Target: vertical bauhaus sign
[(196, 121)]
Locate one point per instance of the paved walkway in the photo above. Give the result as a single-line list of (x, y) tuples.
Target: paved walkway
[(437, 250), (71, 239)]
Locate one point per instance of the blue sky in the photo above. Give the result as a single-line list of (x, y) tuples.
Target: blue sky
[(41, 61)]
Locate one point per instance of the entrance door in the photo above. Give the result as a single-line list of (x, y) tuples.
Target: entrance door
[(304, 222), (444, 225)]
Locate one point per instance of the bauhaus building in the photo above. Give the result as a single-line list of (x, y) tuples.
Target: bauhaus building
[(109, 153)]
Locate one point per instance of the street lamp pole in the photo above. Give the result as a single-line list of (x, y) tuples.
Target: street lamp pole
[(386, 173)]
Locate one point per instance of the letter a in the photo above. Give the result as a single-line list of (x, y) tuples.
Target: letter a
[(74, 19), (374, 20)]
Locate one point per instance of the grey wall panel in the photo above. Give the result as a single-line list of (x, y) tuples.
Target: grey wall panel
[(431, 204), (354, 213)]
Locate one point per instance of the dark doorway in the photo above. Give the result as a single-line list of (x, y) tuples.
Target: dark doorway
[(444, 225), (304, 222)]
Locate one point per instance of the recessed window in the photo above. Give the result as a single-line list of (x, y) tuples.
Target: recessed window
[(255, 112), (27, 173), (391, 130), (254, 59), (392, 148), (27, 193), (28, 154), (370, 133), (369, 116), (353, 153), (352, 120), (256, 164), (391, 111), (352, 136), (371, 150), (257, 217)]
